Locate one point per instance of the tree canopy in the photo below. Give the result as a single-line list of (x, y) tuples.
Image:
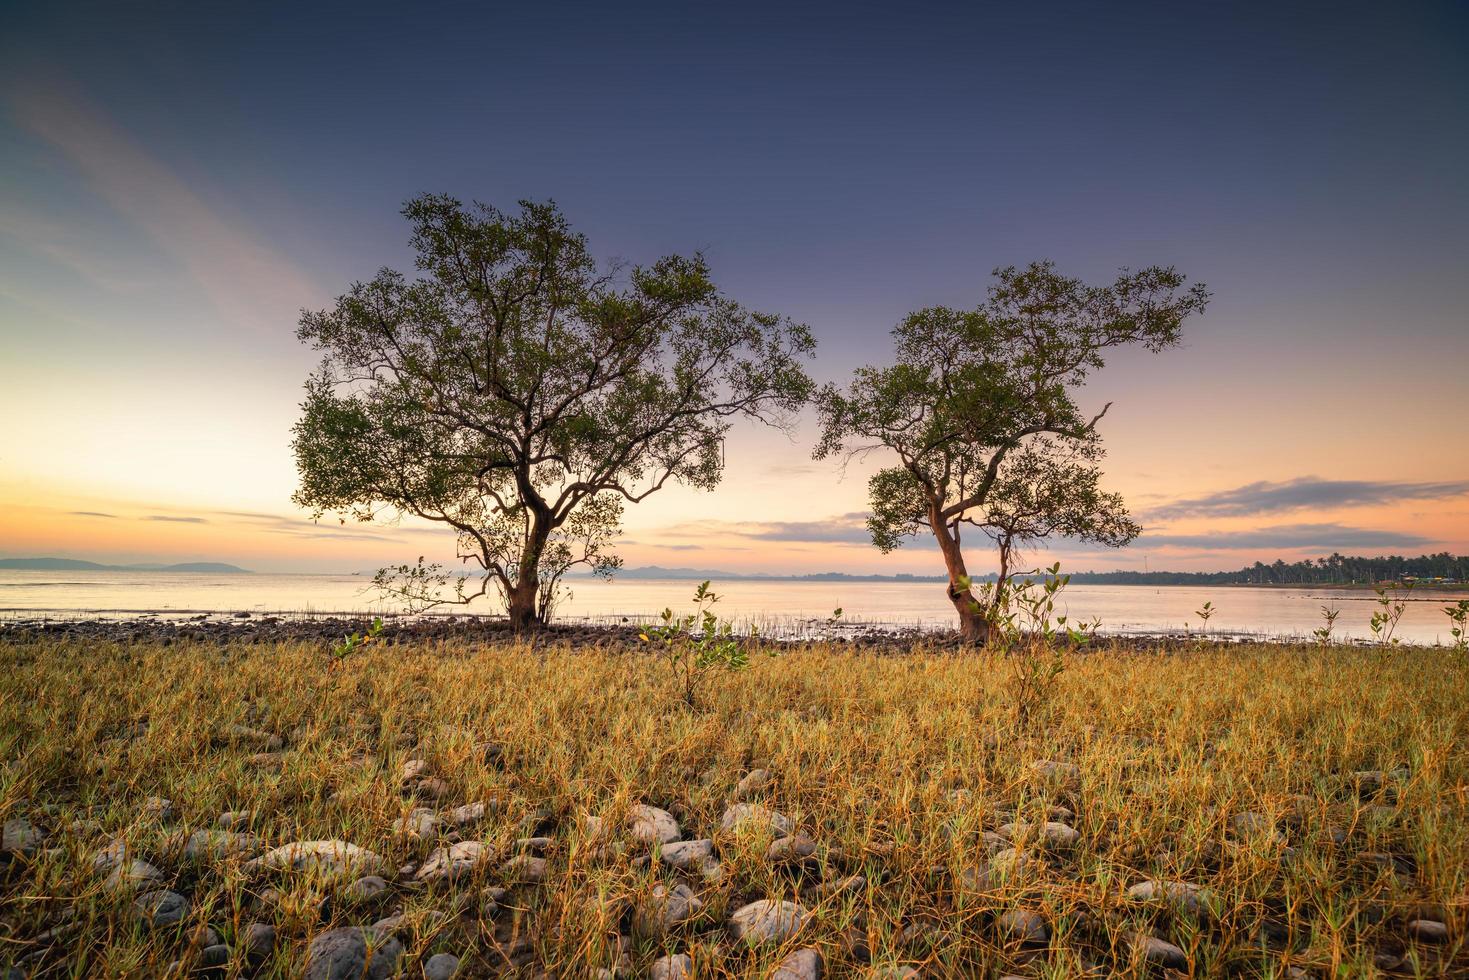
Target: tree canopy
[(980, 410), (521, 393)]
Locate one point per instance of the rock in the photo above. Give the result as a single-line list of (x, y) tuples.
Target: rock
[(850, 885), (679, 966), (1251, 824), (130, 876), (431, 789), (1057, 771), (488, 752), (220, 845), (1184, 894), (533, 845), (19, 838), (234, 819), (259, 940), (441, 966), (413, 770), (352, 953), (159, 808), (803, 964), (331, 860), (1159, 952), (524, 868), (744, 816), (490, 898), (420, 824), (790, 850), (364, 889), (1051, 834), (201, 936), (651, 825), (467, 815), (664, 909), (161, 908), (454, 862), (766, 921), (1024, 926), (1428, 931), (754, 782), (687, 855)]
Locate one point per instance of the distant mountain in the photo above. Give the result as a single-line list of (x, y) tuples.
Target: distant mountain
[(77, 565)]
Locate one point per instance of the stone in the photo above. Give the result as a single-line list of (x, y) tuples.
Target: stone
[(259, 940), (235, 819), (679, 966), (1051, 834), (1024, 926), (803, 964), (1251, 824), (664, 910), (850, 885), (1160, 952), (220, 845), (254, 738), (1183, 894), (1058, 771), (753, 783), (687, 855), (441, 966), (333, 861), (420, 824), (161, 908), (364, 889), (524, 868), (790, 850), (1428, 931), (766, 921), (159, 808), (745, 816), (651, 825), (413, 770), (19, 838), (454, 862), (431, 789), (490, 898), (129, 876), (352, 953), (201, 936), (467, 815), (533, 845)]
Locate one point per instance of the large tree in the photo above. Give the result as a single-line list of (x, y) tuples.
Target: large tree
[(980, 411), (520, 393)]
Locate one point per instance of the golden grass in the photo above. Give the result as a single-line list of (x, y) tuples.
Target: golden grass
[(893, 765)]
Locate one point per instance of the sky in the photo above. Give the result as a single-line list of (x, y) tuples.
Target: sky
[(179, 180)]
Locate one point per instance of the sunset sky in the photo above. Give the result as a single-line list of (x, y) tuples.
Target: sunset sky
[(178, 180)]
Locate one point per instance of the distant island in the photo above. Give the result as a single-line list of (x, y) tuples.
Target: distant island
[(77, 565)]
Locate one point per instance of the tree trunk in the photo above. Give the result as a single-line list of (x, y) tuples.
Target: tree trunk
[(974, 624), (522, 606)]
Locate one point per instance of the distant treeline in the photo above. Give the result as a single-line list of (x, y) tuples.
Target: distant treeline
[(1331, 570)]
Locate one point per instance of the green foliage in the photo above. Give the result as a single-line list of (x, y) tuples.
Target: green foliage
[(1390, 609), (1458, 615), (519, 394), (1205, 613), (979, 408), (357, 640), (1323, 632), (698, 643)]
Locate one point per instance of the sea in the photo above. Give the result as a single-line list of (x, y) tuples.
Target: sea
[(775, 607)]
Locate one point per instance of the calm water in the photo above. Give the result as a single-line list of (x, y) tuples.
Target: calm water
[(776, 606)]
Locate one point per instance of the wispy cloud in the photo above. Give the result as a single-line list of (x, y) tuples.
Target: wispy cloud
[(175, 520), (91, 513), (1286, 537), (1303, 493), (240, 274)]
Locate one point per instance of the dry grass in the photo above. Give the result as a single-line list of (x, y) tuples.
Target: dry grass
[(893, 765)]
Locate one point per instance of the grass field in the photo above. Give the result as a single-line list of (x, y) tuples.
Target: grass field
[(1316, 798)]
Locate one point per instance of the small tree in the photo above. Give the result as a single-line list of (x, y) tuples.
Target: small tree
[(520, 394), (974, 390)]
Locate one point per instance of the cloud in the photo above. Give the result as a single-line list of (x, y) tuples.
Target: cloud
[(1286, 537), (91, 513), (1305, 492), (241, 276), (175, 520)]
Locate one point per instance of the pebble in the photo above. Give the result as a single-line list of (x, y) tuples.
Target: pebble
[(679, 966), (159, 808), (687, 855), (259, 940), (754, 782), (766, 921), (19, 838), (665, 909), (1024, 926), (419, 824), (441, 966), (454, 862), (651, 825), (1052, 833), (364, 889), (1428, 931), (161, 908), (232, 819), (803, 964), (790, 850), (740, 816), (333, 860), (1185, 894), (1161, 952), (467, 815), (352, 953), (220, 845), (524, 868), (132, 875)]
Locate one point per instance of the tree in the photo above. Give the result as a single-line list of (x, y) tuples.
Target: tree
[(520, 393), (973, 389)]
